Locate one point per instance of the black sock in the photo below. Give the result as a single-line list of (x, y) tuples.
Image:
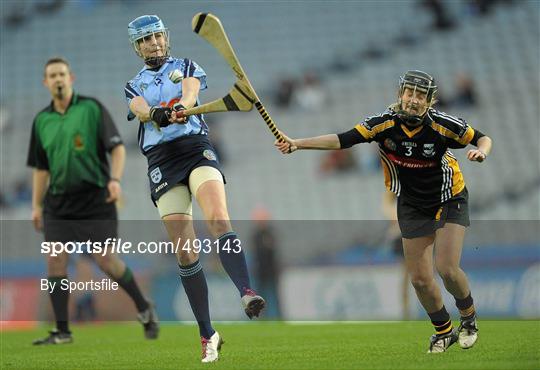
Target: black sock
[(59, 300), (128, 283), (441, 321), (234, 263), (465, 307), (194, 283)]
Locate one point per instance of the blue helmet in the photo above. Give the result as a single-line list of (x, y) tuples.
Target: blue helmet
[(147, 25)]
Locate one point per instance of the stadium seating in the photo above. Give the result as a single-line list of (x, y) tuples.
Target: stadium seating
[(278, 39)]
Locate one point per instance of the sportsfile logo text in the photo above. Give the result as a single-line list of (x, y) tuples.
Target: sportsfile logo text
[(113, 245)]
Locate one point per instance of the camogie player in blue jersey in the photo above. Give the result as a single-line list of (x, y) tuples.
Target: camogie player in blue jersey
[(432, 201), (182, 163)]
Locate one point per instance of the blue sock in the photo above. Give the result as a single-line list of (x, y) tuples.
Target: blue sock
[(194, 283), (234, 263)]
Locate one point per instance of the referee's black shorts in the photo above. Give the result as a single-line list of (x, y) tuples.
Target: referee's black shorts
[(416, 221), (79, 217)]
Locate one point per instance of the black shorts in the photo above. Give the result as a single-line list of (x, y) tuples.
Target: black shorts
[(171, 163), (415, 221), (95, 220)]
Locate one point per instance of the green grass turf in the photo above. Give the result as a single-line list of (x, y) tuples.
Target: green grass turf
[(271, 345)]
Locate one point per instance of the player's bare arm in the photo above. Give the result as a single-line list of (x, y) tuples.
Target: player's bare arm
[(190, 91), (482, 151), (140, 108), (40, 180), (118, 159), (324, 142)]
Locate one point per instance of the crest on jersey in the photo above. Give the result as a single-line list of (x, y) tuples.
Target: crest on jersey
[(155, 175), (429, 150), (143, 86), (210, 155), (78, 142), (390, 144)]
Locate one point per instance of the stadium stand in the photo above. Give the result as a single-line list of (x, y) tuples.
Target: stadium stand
[(503, 60)]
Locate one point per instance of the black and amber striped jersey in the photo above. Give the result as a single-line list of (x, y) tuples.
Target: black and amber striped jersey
[(417, 162)]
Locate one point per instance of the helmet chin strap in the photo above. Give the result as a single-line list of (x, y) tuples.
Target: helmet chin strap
[(412, 120), (154, 62), (157, 61)]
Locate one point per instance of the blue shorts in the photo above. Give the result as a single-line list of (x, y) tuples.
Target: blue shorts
[(171, 163)]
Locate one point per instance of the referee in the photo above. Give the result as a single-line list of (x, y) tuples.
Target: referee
[(74, 190)]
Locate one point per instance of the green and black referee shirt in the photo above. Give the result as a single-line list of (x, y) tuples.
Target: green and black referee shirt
[(73, 146)]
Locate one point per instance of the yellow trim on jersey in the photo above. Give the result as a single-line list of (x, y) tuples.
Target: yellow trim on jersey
[(464, 140), (467, 137), (363, 131), (387, 176), (443, 131), (409, 133), (370, 133), (391, 175), (438, 215), (458, 182)]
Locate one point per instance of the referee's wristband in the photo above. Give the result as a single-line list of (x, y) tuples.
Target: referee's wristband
[(114, 179)]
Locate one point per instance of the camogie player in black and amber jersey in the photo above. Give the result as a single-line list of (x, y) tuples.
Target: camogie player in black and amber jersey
[(414, 142)]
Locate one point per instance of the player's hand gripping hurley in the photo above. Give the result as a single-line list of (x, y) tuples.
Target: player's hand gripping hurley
[(242, 96)]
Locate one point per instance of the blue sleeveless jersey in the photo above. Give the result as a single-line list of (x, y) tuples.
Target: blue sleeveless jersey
[(156, 88)]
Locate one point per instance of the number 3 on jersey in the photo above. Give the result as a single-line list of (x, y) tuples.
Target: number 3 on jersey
[(408, 153)]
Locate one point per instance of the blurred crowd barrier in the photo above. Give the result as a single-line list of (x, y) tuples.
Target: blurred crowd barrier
[(310, 270)]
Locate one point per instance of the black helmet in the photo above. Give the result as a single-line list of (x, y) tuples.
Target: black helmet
[(417, 81)]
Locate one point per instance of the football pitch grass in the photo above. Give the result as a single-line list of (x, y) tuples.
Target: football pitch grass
[(277, 345)]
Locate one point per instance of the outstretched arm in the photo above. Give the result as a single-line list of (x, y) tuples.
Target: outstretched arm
[(325, 142)]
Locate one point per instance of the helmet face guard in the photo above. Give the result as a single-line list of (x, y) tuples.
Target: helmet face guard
[(147, 25), (416, 81)]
